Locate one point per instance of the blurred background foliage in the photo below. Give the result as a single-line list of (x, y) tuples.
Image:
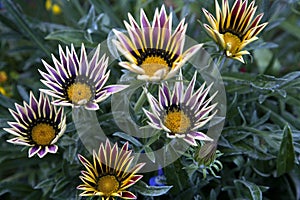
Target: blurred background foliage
[(261, 138)]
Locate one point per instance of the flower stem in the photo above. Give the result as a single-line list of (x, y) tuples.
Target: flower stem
[(140, 102), (221, 62)]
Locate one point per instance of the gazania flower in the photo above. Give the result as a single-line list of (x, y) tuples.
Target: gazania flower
[(154, 52), (234, 29), (38, 124), (110, 173), (181, 114), (77, 82)]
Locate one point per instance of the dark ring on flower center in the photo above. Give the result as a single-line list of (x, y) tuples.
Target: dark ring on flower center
[(153, 52), (79, 79), (37, 121), (186, 110), (234, 32)]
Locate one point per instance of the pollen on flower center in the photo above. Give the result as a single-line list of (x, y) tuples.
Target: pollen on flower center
[(177, 121), (79, 93), (154, 63), (108, 184), (43, 134), (232, 42)]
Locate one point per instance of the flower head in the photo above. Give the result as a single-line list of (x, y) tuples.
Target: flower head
[(154, 52), (38, 124), (234, 29), (181, 114), (77, 82), (110, 173)]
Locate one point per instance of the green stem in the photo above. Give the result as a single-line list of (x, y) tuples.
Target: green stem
[(221, 62), (140, 102)]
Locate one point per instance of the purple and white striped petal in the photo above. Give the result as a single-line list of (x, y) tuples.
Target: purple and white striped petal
[(52, 148), (42, 152), (91, 106), (199, 136), (33, 150)]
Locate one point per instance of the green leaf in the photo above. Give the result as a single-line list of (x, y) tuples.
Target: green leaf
[(146, 190), (254, 190), (286, 154), (129, 138), (76, 37), (149, 153)]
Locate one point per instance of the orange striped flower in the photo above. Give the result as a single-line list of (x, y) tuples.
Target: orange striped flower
[(234, 29), (110, 174)]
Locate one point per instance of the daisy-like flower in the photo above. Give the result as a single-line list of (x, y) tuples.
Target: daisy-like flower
[(77, 82), (154, 52), (38, 124), (234, 29), (110, 173), (181, 114)]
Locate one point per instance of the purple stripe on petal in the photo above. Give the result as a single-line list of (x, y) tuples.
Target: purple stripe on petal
[(163, 16), (47, 109), (60, 68), (136, 38), (154, 120), (156, 37), (144, 20), (52, 71), (22, 113), (162, 98), (113, 156), (166, 92), (167, 33), (175, 98), (92, 106), (52, 148), (114, 88), (16, 116), (93, 62), (179, 89), (190, 140), (83, 66), (154, 104), (199, 136), (42, 152), (33, 103), (72, 68), (30, 113), (190, 89), (19, 127), (53, 86), (33, 150)]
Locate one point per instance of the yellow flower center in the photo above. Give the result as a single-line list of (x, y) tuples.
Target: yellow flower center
[(232, 42), (177, 121), (154, 63), (79, 93), (43, 134), (108, 184)]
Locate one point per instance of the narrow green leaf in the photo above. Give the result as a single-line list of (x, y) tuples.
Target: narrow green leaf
[(76, 37), (128, 138), (23, 25), (286, 154), (149, 153), (254, 190), (146, 190)]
